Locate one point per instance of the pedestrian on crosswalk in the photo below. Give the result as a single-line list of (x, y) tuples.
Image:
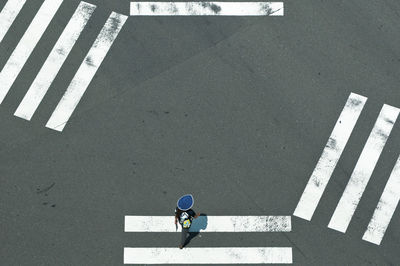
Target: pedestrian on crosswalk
[(184, 214)]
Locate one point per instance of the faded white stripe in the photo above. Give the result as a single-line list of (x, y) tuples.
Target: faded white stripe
[(363, 170), (385, 209), (8, 14), (330, 156), (281, 255), (210, 224), (86, 71), (54, 61), (26, 45), (206, 9)]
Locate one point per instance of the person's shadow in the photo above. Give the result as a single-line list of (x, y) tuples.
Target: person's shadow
[(200, 223)]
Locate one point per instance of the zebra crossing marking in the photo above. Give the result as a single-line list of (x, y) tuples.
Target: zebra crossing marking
[(26, 45), (363, 170), (86, 71), (54, 61), (56, 58), (216, 255), (98, 51), (8, 14), (385, 209), (330, 156), (213, 224), (361, 174), (206, 9)]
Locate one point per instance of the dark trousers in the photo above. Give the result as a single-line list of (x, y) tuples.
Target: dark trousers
[(185, 232)]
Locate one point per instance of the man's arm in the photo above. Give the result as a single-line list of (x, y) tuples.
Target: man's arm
[(176, 218)]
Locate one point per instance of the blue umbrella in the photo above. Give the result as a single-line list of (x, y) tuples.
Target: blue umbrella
[(185, 202)]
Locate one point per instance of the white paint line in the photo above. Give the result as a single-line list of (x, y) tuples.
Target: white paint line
[(54, 61), (363, 170), (385, 209), (86, 71), (206, 9), (210, 224), (26, 45), (330, 156), (276, 255), (8, 14)]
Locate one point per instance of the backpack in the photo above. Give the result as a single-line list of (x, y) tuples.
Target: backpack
[(187, 223), (185, 220)]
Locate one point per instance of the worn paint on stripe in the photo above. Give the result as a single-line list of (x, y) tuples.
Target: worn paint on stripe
[(54, 61), (276, 255), (26, 45), (210, 224), (363, 170), (86, 71), (8, 14), (330, 156), (206, 9), (385, 209)]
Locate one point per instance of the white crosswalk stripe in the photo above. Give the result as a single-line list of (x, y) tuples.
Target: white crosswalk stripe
[(54, 61), (86, 71), (330, 156), (216, 255), (26, 45), (213, 224), (206, 9), (8, 14), (385, 209)]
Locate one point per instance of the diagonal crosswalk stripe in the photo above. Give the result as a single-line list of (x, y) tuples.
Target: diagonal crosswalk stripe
[(86, 71), (330, 156), (386, 206), (217, 255), (362, 172), (8, 14), (54, 61), (210, 224), (26, 45)]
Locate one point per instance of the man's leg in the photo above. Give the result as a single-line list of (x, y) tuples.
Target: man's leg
[(185, 231)]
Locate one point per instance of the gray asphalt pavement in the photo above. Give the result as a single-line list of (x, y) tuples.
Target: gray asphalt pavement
[(235, 110)]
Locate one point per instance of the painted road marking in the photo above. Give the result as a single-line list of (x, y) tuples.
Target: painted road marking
[(54, 61), (330, 156), (206, 9), (26, 45), (385, 209), (210, 224), (363, 170), (86, 71), (8, 14), (276, 255)]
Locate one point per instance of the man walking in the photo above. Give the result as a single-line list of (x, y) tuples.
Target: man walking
[(184, 214)]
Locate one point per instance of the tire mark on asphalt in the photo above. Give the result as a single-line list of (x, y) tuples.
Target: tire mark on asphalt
[(46, 189)]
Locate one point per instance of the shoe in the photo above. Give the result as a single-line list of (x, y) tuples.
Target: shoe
[(180, 246)]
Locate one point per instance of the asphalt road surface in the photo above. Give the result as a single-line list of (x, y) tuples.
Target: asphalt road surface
[(235, 110)]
